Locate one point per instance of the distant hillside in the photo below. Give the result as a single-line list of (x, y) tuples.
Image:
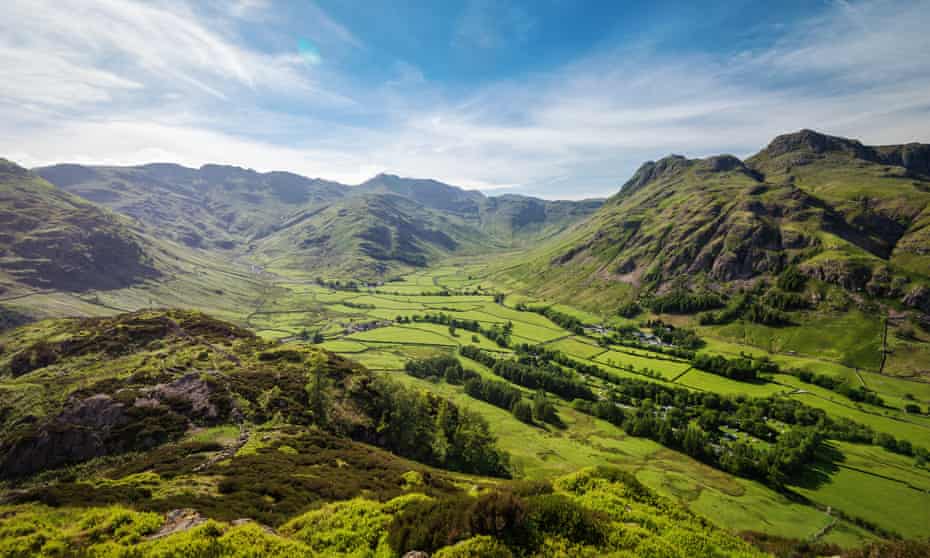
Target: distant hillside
[(50, 239), (383, 226), (840, 212), (509, 218), (367, 236), (211, 207)]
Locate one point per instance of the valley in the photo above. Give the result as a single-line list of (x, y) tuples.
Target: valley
[(740, 349)]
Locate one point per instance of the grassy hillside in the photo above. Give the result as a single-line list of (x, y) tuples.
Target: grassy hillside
[(53, 240), (214, 206), (814, 246), (385, 226), (854, 217), (367, 237), (148, 433)]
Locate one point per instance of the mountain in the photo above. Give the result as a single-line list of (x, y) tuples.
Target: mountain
[(509, 218), (383, 226), (54, 240), (367, 236), (840, 212), (214, 206)]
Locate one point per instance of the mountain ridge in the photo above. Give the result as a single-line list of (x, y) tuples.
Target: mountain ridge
[(222, 207), (845, 213)]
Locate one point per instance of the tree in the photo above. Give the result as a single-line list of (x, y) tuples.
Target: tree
[(544, 410), (523, 411), (316, 386)]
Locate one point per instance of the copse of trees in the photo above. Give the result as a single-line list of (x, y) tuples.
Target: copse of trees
[(858, 394), (791, 279), (680, 337), (759, 313), (477, 355), (743, 369), (784, 300), (499, 394), (498, 333), (439, 368), (546, 379), (681, 301), (433, 430)]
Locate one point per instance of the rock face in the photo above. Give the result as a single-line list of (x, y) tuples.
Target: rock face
[(108, 423), (653, 170), (178, 521)]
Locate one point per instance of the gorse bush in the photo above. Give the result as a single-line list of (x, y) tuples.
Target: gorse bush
[(594, 512)]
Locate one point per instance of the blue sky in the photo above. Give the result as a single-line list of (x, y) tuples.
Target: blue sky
[(555, 98)]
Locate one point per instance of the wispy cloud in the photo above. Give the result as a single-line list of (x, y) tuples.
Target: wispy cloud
[(488, 25), (163, 82)]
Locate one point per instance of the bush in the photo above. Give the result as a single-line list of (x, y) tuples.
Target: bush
[(475, 547), (523, 412), (555, 514), (430, 525)]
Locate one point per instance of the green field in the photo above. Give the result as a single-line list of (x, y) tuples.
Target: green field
[(545, 452), (856, 485)]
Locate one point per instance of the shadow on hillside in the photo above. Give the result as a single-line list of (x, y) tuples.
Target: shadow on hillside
[(824, 467)]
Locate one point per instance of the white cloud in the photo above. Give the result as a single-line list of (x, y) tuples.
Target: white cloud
[(147, 82), (105, 44)]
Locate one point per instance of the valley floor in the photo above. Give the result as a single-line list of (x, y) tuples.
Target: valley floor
[(369, 324)]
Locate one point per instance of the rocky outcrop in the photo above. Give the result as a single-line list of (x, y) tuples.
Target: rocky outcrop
[(802, 147), (109, 423), (653, 170), (918, 298), (915, 157), (847, 274)]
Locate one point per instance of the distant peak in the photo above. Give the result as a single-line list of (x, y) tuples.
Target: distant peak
[(653, 170), (811, 141), (9, 168), (722, 163)]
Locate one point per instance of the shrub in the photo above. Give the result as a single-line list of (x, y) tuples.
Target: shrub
[(341, 527), (476, 547), (430, 525), (555, 514), (523, 411)]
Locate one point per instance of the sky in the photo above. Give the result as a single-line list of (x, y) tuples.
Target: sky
[(554, 98)]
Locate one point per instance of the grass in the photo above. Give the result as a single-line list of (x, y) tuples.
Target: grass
[(852, 339), (870, 495), (892, 423), (705, 381), (290, 307), (665, 368)]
